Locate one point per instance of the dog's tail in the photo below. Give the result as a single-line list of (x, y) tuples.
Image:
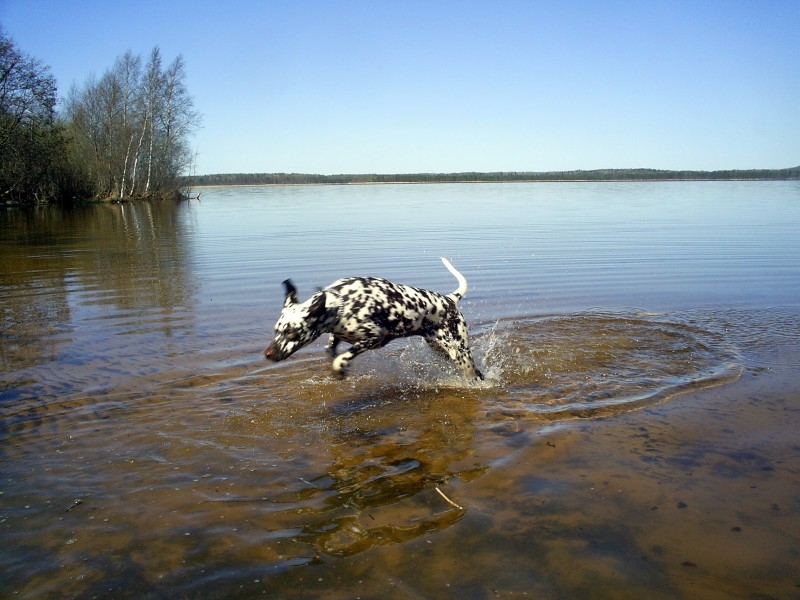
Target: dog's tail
[(461, 291)]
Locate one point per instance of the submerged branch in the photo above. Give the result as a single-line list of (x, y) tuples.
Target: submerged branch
[(450, 502)]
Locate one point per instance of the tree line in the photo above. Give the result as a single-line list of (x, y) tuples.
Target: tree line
[(123, 135), (501, 176)]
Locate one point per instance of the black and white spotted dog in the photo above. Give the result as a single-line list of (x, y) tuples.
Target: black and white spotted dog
[(370, 312)]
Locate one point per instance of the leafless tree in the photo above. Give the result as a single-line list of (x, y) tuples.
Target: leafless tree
[(136, 125), (28, 136)]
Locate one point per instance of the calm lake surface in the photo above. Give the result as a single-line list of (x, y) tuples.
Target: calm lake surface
[(636, 435)]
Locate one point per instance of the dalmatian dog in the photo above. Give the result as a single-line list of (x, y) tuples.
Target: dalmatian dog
[(370, 312)]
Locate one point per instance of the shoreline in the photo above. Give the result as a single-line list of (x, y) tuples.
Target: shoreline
[(478, 182), (574, 175)]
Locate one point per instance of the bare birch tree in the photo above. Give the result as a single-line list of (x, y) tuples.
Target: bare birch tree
[(132, 117)]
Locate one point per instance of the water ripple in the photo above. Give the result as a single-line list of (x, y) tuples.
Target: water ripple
[(596, 363)]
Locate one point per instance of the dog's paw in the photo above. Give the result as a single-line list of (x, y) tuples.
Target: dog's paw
[(339, 365), (338, 373)]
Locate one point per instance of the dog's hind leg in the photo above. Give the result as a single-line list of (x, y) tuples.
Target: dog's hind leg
[(458, 352), (436, 346)]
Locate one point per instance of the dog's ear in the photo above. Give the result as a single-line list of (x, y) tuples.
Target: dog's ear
[(317, 307), (291, 293)]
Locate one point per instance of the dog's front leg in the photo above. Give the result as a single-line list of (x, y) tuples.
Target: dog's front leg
[(341, 362), (333, 343)]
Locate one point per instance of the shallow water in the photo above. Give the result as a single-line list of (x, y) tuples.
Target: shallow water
[(147, 449)]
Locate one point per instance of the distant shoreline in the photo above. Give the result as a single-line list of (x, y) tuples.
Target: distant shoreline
[(477, 182), (599, 175)]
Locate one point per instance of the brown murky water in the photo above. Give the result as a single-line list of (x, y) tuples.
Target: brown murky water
[(147, 450)]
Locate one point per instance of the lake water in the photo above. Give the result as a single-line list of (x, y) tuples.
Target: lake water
[(636, 435)]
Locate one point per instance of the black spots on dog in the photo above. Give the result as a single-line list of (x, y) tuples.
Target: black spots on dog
[(382, 316), (428, 328), (393, 295), (357, 304), (452, 327)]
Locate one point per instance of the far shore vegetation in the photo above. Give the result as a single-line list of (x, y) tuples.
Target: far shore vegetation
[(502, 176)]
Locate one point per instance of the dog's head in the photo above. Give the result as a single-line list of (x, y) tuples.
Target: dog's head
[(298, 324)]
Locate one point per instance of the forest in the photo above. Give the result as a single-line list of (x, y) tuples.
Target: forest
[(477, 177), (124, 135)]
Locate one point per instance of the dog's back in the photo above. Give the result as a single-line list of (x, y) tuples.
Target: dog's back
[(399, 310)]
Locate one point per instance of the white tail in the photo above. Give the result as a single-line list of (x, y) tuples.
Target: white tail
[(461, 291)]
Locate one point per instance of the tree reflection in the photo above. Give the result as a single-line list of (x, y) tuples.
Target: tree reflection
[(65, 269)]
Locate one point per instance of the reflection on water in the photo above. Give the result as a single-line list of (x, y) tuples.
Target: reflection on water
[(74, 280), (146, 446)]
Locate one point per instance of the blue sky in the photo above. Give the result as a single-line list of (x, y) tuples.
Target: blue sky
[(435, 86)]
